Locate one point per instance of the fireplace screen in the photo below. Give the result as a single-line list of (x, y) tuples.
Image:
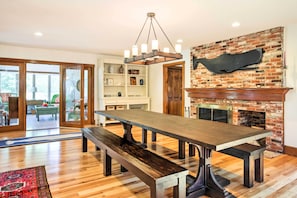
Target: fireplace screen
[(215, 113)]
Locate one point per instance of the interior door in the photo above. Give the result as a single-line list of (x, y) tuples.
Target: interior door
[(173, 84), (71, 104)]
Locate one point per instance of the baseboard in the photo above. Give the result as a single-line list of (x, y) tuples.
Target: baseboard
[(290, 150)]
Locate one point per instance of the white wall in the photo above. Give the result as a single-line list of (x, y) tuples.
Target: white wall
[(156, 87), (291, 81)]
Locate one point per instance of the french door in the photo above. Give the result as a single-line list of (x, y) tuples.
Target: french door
[(11, 95), (77, 91)]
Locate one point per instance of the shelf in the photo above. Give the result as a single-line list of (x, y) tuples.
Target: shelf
[(114, 74), (254, 94)]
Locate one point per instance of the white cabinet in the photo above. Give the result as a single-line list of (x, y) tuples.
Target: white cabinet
[(122, 87)]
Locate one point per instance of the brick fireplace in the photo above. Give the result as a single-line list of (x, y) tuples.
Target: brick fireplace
[(259, 90)]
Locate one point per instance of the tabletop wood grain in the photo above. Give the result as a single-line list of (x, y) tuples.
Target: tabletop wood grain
[(210, 134)]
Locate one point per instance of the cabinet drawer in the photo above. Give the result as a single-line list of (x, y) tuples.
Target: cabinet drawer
[(110, 107), (120, 107)]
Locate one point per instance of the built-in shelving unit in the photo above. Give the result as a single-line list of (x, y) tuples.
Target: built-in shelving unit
[(123, 87)]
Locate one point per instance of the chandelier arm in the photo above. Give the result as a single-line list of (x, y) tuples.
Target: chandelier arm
[(141, 30), (165, 34)]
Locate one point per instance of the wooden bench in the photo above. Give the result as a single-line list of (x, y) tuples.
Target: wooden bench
[(157, 172), (253, 157)]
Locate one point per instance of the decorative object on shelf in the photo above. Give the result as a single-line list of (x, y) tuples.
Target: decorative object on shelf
[(119, 94), (141, 82), (111, 69), (155, 56), (227, 63), (132, 80), (133, 71), (109, 81), (121, 69)]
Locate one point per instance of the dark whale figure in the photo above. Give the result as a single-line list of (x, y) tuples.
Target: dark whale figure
[(227, 63)]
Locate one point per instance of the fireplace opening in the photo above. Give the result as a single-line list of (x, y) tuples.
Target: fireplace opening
[(215, 113), (253, 119)]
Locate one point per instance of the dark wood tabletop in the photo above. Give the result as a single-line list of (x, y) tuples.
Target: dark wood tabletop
[(209, 134)]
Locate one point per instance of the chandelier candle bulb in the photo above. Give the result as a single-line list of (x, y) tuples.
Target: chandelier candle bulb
[(144, 48), (127, 54), (178, 48), (155, 45), (134, 50)]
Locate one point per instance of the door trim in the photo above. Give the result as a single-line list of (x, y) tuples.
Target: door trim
[(165, 84)]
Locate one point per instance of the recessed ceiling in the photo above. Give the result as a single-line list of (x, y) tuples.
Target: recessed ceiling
[(111, 26)]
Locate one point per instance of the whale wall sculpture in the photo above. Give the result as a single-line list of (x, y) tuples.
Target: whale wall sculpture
[(227, 63)]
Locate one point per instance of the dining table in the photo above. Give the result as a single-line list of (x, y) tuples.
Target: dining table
[(206, 136)]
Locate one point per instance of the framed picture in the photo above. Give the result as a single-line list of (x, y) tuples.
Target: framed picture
[(132, 80)]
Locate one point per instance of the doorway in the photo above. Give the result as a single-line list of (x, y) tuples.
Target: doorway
[(42, 96), (173, 85)]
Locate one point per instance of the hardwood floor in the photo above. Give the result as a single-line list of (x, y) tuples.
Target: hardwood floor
[(72, 173)]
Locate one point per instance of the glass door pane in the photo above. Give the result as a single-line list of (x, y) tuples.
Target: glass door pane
[(86, 94), (72, 110), (9, 95)]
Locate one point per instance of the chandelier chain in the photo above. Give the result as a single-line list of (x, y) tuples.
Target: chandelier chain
[(164, 34), (141, 30)]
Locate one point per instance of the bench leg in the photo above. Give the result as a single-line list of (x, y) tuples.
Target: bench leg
[(84, 144), (181, 149), (248, 171), (106, 164), (180, 189), (259, 168), (157, 192)]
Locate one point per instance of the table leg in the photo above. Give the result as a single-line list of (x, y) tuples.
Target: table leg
[(205, 182), (144, 137), (127, 133), (181, 149)]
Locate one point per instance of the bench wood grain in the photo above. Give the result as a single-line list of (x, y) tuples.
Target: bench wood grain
[(157, 172)]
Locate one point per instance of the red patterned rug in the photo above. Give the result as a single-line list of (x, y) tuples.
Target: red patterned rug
[(25, 183)]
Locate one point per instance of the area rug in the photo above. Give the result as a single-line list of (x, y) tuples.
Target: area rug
[(25, 183), (38, 139)]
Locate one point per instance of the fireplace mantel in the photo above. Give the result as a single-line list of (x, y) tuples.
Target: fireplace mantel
[(253, 94)]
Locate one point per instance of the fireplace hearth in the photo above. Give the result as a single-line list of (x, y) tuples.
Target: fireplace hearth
[(244, 108)]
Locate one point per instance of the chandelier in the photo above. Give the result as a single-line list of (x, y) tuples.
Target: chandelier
[(156, 55)]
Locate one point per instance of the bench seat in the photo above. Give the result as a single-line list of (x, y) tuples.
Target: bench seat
[(157, 172), (253, 157)]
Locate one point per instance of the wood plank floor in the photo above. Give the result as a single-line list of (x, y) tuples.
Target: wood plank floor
[(72, 173)]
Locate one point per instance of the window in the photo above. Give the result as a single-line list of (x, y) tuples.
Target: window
[(43, 81)]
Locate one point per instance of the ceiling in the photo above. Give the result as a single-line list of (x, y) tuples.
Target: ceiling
[(111, 26)]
